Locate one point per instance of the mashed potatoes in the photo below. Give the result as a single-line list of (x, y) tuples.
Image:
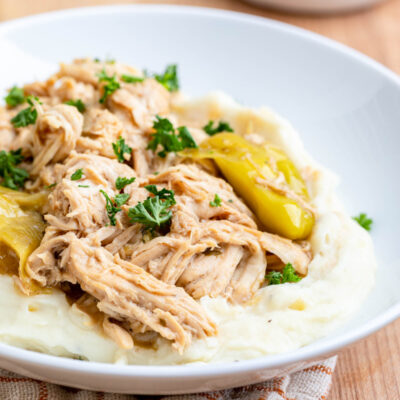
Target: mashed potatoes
[(278, 319)]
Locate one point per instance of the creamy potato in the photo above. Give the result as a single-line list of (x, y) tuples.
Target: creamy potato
[(280, 318)]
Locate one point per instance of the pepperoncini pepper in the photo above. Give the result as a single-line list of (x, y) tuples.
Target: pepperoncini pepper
[(21, 231), (265, 178)]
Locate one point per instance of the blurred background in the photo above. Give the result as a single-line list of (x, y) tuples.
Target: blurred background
[(373, 29)]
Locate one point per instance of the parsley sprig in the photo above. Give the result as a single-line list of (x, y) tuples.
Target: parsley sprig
[(28, 115), (114, 206), (154, 212), (131, 78), (220, 127), (169, 79), (13, 177), (79, 104), (110, 86), (216, 202), (288, 274), (15, 97), (77, 175), (166, 137), (364, 221), (120, 148), (121, 182)]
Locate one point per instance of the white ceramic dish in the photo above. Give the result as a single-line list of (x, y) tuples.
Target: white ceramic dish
[(316, 6), (344, 105)]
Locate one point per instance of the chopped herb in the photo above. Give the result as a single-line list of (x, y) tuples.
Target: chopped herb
[(120, 148), (13, 177), (51, 186), (288, 274), (121, 198), (78, 104), (77, 175), (166, 137), (169, 79), (186, 138), (96, 60), (121, 182), (111, 208), (84, 186), (28, 115), (364, 221), (230, 201), (221, 127), (216, 202), (110, 87), (151, 213), (131, 78), (110, 61), (163, 194), (15, 97), (107, 61), (156, 173)]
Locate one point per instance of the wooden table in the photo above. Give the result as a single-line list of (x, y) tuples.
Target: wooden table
[(370, 369)]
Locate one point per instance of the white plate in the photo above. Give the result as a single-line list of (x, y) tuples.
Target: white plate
[(345, 106)]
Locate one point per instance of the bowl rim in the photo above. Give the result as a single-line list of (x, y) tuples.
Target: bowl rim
[(313, 351)]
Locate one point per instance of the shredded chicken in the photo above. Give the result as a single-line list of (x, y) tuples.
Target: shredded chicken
[(143, 286)]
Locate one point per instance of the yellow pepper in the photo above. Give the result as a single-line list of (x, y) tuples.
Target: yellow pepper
[(265, 178), (21, 231)]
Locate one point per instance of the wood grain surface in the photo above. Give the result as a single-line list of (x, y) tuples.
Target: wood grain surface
[(370, 369)]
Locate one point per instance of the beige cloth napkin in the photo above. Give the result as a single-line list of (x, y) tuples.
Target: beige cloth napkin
[(312, 383)]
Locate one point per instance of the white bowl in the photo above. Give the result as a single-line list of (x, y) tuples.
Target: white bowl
[(316, 6), (345, 106)]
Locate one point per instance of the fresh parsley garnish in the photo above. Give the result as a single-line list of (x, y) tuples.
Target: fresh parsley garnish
[(288, 274), (120, 148), (78, 104), (15, 97), (163, 194), (131, 78), (169, 79), (216, 202), (13, 177), (113, 206), (121, 199), (221, 127), (83, 186), (166, 137), (77, 175), (121, 182), (51, 186), (107, 61), (151, 213), (111, 85), (364, 221), (28, 115)]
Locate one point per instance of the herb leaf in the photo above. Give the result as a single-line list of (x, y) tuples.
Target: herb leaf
[(165, 136), (78, 104), (15, 96), (121, 182), (216, 202), (121, 199), (131, 78), (288, 274), (28, 115), (13, 177), (120, 148), (163, 194), (111, 207), (152, 213), (110, 87), (169, 79), (221, 127), (77, 175), (364, 221)]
